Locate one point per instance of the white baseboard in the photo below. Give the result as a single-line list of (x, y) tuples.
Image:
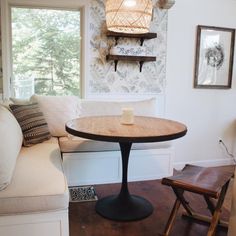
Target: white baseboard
[(205, 163)]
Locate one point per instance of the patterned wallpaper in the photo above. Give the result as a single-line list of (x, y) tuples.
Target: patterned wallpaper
[(127, 79)]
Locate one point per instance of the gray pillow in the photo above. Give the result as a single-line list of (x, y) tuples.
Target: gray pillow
[(32, 122)]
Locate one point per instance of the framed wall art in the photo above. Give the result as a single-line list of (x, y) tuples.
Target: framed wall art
[(214, 57)]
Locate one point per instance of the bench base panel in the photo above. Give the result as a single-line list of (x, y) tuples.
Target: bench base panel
[(105, 167), (47, 224)]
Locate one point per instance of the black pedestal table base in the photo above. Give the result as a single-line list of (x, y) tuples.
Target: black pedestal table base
[(124, 207), (129, 209)]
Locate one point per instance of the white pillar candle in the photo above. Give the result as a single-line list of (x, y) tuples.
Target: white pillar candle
[(127, 117)]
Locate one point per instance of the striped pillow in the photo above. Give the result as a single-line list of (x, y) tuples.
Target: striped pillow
[(34, 126)]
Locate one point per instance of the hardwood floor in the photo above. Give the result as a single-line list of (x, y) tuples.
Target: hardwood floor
[(84, 221)]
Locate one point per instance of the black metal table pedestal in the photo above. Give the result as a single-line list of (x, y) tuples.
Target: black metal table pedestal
[(124, 207)]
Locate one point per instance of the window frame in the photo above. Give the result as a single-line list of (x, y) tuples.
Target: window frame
[(81, 5)]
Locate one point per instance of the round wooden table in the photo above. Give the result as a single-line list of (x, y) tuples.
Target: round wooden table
[(124, 206)]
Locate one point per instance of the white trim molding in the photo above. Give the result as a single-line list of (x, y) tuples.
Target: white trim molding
[(6, 5)]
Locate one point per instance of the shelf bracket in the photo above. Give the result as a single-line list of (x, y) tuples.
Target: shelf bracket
[(116, 39), (141, 65), (116, 62), (141, 41)]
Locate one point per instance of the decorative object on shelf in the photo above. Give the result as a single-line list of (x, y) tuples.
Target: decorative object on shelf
[(124, 57), (128, 50), (214, 57), (165, 4), (128, 16)]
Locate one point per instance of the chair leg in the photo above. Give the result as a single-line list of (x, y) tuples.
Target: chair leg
[(180, 195), (172, 218), (216, 215), (214, 223), (211, 206)]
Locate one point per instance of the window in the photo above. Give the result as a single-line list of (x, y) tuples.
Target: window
[(45, 52), (58, 70)]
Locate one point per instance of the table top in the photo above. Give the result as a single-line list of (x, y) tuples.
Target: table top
[(110, 129)]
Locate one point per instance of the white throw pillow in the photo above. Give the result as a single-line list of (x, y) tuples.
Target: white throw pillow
[(57, 111), (98, 108), (10, 145)]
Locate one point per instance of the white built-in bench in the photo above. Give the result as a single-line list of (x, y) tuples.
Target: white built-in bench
[(34, 195)]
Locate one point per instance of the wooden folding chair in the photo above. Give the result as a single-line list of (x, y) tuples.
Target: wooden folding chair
[(212, 183)]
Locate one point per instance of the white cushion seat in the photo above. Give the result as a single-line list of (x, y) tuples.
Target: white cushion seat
[(38, 183), (76, 144), (57, 110)]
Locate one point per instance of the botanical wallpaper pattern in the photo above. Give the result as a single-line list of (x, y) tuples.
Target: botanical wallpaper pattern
[(127, 79)]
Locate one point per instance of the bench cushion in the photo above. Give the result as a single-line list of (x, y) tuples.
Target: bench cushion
[(57, 111), (76, 144), (10, 145), (146, 107), (38, 183)]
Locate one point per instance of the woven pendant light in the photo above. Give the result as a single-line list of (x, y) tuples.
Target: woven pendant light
[(128, 16)]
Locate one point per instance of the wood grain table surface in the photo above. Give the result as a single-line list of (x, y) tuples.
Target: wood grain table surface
[(109, 128)]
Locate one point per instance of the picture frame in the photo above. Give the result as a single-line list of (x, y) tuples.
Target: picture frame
[(214, 57)]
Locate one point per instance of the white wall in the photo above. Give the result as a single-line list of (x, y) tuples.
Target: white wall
[(208, 114)]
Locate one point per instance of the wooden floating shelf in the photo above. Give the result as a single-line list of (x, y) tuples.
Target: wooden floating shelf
[(141, 59), (130, 58), (142, 37)]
